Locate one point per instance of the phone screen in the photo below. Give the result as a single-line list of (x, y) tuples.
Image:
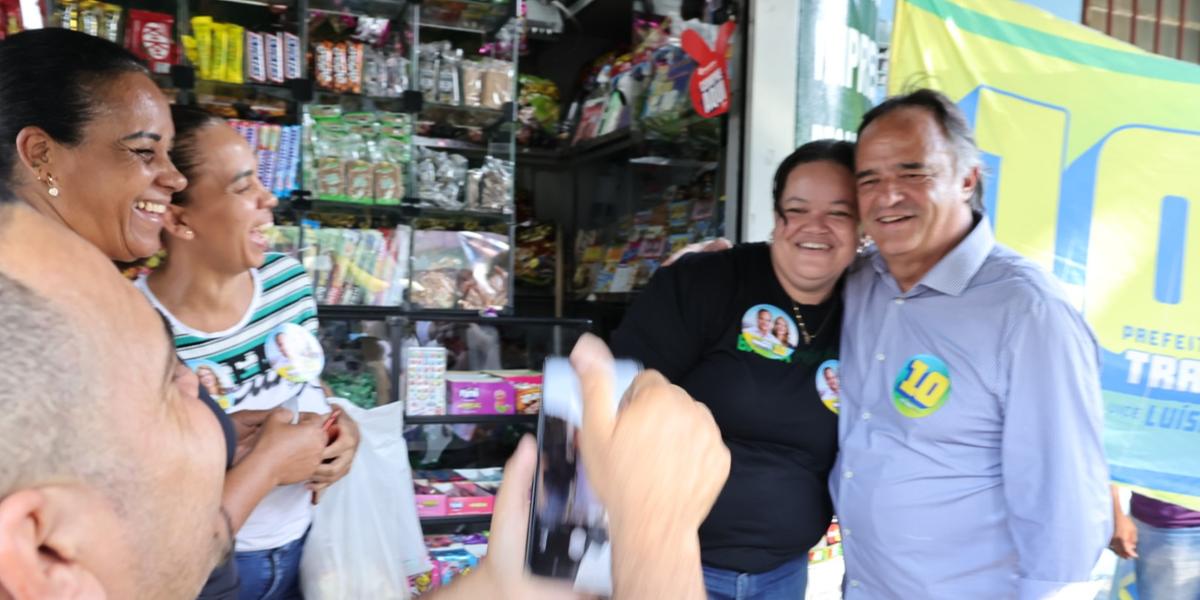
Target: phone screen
[(568, 527)]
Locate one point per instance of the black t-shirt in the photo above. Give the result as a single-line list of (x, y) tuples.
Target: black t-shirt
[(720, 326)]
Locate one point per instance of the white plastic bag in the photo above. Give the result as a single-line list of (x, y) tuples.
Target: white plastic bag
[(366, 538)]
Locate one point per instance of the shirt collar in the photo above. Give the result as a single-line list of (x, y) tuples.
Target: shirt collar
[(952, 274)]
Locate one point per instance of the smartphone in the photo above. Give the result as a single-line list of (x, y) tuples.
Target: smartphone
[(568, 526)]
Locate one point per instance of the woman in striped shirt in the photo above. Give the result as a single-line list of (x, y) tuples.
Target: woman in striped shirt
[(247, 317)]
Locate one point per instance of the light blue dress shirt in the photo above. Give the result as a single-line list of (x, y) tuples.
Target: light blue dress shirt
[(971, 464)]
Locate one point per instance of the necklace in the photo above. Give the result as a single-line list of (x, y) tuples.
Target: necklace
[(808, 338)]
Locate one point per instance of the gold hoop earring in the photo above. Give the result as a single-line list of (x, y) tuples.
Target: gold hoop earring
[(51, 186)]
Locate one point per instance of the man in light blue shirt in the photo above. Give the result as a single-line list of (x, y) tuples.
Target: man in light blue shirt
[(971, 461)]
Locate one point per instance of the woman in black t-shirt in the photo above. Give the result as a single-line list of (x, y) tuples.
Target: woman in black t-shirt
[(703, 323)]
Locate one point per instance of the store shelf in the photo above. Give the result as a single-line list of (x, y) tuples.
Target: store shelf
[(449, 145), (500, 320), (411, 209), (447, 15), (482, 111), (457, 520), (473, 419), (327, 311), (365, 313), (683, 163)]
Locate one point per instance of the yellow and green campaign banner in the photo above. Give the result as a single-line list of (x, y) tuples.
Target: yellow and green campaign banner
[(1092, 151)]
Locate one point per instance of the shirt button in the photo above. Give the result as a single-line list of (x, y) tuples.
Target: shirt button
[(854, 583), (866, 415), (899, 300), (848, 474), (846, 532), (880, 357)]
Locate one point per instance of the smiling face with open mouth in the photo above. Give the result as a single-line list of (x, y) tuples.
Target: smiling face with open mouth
[(116, 184), (227, 208), (913, 199), (816, 237)]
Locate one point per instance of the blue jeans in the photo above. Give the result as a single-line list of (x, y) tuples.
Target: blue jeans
[(786, 582), (271, 574), (1168, 563)]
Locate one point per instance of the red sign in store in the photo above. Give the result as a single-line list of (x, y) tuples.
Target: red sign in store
[(709, 86)]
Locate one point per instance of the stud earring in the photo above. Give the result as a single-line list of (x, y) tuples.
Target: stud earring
[(188, 233), (51, 186)]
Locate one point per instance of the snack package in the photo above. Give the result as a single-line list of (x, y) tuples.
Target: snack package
[(497, 84), (90, 16), (448, 88), (293, 54), (256, 57), (354, 67), (202, 30), (424, 381), (150, 36), (472, 83), (69, 18), (110, 24), (323, 59), (235, 51), (273, 45), (220, 57), (341, 64)]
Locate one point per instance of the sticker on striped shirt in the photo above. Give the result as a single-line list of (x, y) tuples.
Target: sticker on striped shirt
[(922, 387), (828, 384), (215, 378), (295, 353)]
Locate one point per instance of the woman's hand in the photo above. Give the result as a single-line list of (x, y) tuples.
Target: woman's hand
[(337, 457), (292, 452), (247, 424)]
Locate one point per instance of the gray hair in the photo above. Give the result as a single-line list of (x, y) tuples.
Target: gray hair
[(954, 126)]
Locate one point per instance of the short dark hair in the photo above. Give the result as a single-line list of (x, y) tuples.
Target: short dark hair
[(189, 120), (950, 118), (48, 79), (835, 151), (47, 391)]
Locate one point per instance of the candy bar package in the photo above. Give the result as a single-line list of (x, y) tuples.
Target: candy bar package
[(278, 151), (235, 51), (220, 56), (202, 30), (274, 51), (354, 67), (323, 61), (150, 36), (293, 54), (460, 270), (256, 57), (341, 64)]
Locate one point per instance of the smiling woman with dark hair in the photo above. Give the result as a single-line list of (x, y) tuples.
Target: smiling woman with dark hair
[(745, 331), (86, 136)]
